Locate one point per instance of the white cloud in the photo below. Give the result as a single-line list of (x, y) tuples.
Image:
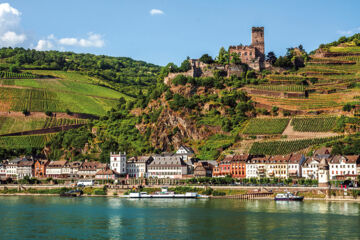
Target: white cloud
[(10, 34), (12, 38), (68, 41), (156, 12), (44, 45), (51, 42)]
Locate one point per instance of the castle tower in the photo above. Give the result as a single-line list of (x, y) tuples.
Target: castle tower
[(257, 40), (323, 173)]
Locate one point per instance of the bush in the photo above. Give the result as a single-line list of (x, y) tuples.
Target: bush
[(25, 112), (218, 193)]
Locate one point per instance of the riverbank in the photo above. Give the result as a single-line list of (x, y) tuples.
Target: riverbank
[(316, 194)]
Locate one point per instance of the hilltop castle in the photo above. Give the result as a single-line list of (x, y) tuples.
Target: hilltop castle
[(254, 54)]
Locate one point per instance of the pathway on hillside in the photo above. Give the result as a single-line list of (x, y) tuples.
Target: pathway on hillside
[(291, 133)]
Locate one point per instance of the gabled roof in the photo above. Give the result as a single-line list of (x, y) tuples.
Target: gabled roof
[(188, 150), (348, 159), (26, 163), (296, 158), (140, 159), (323, 151), (310, 160), (173, 160), (92, 166), (55, 164), (279, 159), (107, 172)]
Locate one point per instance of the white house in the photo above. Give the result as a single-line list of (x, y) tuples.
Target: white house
[(118, 162), (25, 169), (137, 166), (186, 153), (71, 169), (294, 165), (310, 168), (54, 169), (167, 166), (256, 167), (277, 166), (343, 165), (11, 168)]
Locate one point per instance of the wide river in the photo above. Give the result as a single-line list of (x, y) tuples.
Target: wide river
[(25, 217)]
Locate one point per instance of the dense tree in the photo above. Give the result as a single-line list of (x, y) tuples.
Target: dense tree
[(206, 59), (271, 58), (223, 57)]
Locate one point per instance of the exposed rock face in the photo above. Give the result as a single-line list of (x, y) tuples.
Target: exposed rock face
[(173, 129)]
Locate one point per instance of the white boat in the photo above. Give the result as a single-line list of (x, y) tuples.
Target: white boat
[(164, 193), (288, 197)]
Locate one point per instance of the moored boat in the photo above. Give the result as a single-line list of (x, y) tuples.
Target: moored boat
[(164, 193), (72, 193), (288, 197)]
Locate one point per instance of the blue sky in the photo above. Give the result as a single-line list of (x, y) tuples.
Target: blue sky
[(176, 29)]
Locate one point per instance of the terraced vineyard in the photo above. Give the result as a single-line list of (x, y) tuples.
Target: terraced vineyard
[(259, 126), (315, 124), (287, 146), (329, 78), (42, 100), (22, 124), (58, 122), (282, 88), (10, 75), (23, 142)]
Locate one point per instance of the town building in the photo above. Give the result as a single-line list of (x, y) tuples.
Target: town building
[(294, 165), (167, 166), (11, 167), (343, 166), (137, 166), (118, 162), (107, 174), (238, 165), (186, 153), (40, 168), (256, 167), (25, 169), (3, 169), (54, 169), (278, 166), (71, 169), (89, 169), (323, 173), (310, 168), (223, 169), (204, 168)]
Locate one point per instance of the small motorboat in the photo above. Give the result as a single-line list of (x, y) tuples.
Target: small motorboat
[(288, 197), (72, 193)]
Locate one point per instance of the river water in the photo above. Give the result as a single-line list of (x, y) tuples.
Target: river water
[(40, 217)]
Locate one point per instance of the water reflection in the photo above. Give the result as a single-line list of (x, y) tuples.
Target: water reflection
[(115, 218)]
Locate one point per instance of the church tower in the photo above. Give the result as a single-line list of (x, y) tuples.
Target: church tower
[(323, 173)]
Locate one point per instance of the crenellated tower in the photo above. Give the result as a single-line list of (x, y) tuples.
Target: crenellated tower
[(257, 40)]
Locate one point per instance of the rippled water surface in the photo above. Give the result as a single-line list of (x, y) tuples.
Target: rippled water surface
[(115, 218)]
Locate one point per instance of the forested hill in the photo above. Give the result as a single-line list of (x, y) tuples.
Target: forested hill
[(120, 73)]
